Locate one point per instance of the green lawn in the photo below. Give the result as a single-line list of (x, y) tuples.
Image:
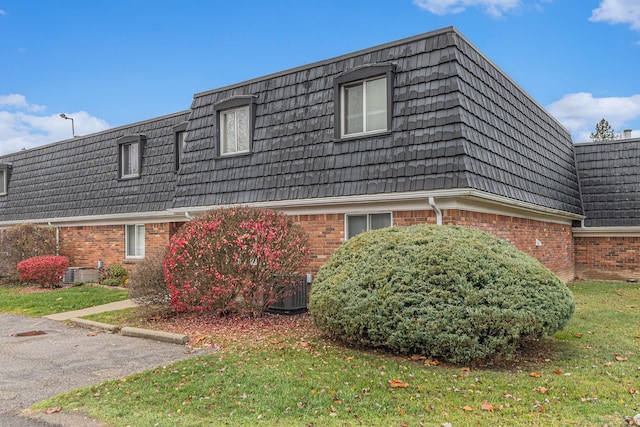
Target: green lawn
[(14, 300), (587, 375)]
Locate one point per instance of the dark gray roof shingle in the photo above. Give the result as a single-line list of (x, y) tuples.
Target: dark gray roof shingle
[(79, 177), (609, 175), (454, 114)]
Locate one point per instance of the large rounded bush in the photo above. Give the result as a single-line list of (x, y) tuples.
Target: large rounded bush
[(446, 292), (236, 259)]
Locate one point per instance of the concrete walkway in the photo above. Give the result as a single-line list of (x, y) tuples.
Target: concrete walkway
[(120, 305)]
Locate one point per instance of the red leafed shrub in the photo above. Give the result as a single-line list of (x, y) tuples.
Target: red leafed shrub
[(237, 259), (47, 271)]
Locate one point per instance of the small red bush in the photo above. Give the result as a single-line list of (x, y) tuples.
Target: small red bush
[(234, 259), (46, 271)]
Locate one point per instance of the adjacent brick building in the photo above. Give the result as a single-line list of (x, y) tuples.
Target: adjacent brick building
[(421, 130)]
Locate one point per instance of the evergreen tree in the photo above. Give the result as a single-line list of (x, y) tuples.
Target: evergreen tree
[(604, 132)]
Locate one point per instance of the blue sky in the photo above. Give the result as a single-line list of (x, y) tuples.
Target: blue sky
[(108, 64)]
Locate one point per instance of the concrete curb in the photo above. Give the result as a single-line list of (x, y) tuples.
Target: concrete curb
[(129, 331), (98, 326), (154, 335)]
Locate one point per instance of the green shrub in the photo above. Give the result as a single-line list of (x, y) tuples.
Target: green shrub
[(116, 275), (237, 259), (446, 292), (146, 282)]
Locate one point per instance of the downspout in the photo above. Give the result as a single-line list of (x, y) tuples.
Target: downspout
[(189, 217), (57, 238), (436, 209)]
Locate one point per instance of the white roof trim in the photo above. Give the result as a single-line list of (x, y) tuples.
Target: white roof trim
[(606, 232), (463, 199)]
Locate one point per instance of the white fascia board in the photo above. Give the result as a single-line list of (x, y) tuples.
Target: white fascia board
[(606, 232), (98, 220), (464, 199)]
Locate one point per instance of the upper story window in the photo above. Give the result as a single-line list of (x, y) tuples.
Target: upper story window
[(234, 118), (363, 101), (4, 179), (356, 224), (130, 156), (179, 134)]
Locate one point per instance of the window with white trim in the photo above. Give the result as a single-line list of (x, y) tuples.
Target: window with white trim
[(364, 106), (130, 156), (234, 131), (234, 121), (363, 101), (359, 223), (134, 241), (4, 181)]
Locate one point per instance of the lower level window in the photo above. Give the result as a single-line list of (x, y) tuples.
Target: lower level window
[(134, 237), (357, 224)]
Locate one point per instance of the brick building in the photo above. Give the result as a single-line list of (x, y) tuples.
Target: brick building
[(421, 130)]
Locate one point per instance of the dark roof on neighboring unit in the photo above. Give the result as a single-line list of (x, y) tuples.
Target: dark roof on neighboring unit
[(458, 122), (79, 176), (609, 175)]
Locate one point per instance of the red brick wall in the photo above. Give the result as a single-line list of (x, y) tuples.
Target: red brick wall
[(608, 258), (326, 233), (557, 249), (85, 245)]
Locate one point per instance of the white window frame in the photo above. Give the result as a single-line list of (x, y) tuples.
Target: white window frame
[(368, 215), (223, 129), (4, 181), (365, 112), (124, 166), (138, 242)]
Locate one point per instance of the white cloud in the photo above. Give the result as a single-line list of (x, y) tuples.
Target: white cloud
[(579, 113), (444, 7), (618, 12), (21, 127)]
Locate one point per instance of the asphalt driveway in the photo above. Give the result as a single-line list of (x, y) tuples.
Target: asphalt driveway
[(35, 367)]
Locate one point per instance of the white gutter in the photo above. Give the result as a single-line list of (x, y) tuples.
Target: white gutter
[(432, 203)]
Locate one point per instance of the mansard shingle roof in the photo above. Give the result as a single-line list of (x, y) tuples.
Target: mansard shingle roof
[(458, 122), (609, 175), (79, 177)]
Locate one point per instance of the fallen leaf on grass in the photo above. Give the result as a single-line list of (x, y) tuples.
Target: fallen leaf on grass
[(59, 299), (577, 335), (558, 372), (621, 358), (542, 390), (535, 375), (467, 408), (398, 384), (430, 362), (53, 410), (91, 334), (486, 406)]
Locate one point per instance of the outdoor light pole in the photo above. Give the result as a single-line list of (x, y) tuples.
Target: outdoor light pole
[(73, 130)]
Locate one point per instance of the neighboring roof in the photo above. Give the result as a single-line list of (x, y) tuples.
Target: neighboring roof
[(609, 175), (79, 176), (458, 122)]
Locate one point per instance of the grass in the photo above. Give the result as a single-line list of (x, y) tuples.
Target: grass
[(281, 372), (38, 302)]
